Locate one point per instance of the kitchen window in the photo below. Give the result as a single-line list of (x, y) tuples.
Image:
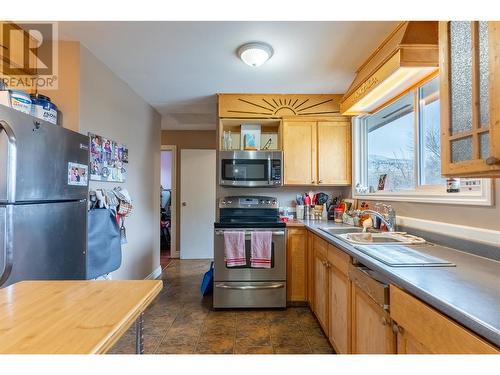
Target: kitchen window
[(397, 153)]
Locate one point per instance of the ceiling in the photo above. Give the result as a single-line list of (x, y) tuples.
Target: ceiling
[(177, 67)]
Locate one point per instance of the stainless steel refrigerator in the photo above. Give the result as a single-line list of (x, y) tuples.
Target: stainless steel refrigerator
[(43, 200)]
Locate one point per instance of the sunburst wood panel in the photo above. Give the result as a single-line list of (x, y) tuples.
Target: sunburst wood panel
[(277, 105)]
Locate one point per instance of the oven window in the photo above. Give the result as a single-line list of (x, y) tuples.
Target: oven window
[(245, 170)]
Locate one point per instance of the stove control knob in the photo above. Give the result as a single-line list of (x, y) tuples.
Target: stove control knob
[(268, 202), (274, 202), (223, 202), (261, 201), (229, 202)]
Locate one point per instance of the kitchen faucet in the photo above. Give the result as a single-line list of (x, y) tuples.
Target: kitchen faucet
[(388, 217)]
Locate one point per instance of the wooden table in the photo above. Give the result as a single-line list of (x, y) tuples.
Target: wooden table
[(72, 317)]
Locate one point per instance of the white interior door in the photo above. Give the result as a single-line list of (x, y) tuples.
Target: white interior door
[(197, 204)]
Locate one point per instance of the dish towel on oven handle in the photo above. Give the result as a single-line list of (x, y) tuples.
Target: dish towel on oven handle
[(261, 243), (234, 248)]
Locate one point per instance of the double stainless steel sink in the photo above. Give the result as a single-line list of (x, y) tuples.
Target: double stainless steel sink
[(340, 230), (355, 235), (390, 248)]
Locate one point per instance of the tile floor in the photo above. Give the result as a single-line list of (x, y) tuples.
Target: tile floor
[(180, 321), (164, 258)]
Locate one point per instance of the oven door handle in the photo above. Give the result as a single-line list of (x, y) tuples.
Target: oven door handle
[(275, 233), (250, 287)]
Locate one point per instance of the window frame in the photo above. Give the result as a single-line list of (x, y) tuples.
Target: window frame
[(421, 193)]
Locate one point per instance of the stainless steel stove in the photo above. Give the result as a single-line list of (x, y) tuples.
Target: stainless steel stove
[(244, 286)]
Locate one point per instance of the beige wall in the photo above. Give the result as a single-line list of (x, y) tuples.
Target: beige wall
[(189, 139), (286, 195), (474, 216), (109, 107), (186, 139), (93, 99), (67, 96)]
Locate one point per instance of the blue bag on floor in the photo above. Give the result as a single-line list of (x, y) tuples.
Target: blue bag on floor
[(207, 284)]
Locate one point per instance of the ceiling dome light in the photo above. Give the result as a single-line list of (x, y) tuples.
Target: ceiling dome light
[(255, 54)]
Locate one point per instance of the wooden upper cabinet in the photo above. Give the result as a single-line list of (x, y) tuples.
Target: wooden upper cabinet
[(469, 58), (334, 152), (314, 137), (317, 152), (261, 106), (299, 148)]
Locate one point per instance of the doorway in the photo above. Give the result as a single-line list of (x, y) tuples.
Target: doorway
[(168, 218), (197, 213)]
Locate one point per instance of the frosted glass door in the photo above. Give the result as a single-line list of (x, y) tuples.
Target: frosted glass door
[(466, 82)]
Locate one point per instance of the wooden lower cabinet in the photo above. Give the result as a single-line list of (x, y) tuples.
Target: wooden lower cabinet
[(371, 325), (296, 265), (421, 329), (321, 281), (310, 266), (331, 293), (407, 344), (339, 300), (355, 320)]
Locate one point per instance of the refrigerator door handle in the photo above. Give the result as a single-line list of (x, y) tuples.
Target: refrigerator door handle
[(7, 225), (11, 162)]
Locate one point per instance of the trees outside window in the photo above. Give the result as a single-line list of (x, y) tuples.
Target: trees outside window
[(402, 140)]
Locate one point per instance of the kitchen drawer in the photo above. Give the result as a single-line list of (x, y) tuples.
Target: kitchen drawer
[(431, 329), (262, 294), (377, 290), (339, 259)]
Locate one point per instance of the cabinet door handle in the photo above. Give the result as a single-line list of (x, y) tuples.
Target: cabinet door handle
[(492, 160), (396, 328), (312, 182), (384, 321), (320, 181)]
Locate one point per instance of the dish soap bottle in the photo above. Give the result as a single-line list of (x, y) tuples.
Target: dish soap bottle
[(324, 213)]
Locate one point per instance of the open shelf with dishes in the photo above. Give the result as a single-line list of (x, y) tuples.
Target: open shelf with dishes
[(250, 134)]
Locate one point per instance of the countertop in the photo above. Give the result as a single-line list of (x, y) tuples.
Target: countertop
[(468, 293), (70, 317)]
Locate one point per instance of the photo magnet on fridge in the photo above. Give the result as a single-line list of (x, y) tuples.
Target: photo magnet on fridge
[(78, 174)]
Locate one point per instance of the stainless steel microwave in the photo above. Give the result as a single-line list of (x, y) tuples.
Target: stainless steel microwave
[(251, 168)]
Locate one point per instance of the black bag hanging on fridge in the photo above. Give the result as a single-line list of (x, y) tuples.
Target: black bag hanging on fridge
[(104, 252)]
